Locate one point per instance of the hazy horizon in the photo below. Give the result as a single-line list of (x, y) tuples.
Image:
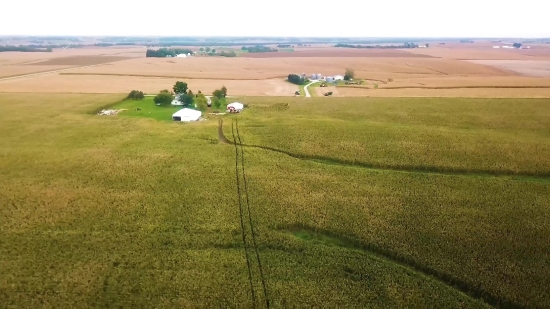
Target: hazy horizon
[(285, 18)]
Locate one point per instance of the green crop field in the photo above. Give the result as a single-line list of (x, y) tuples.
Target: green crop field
[(342, 203)]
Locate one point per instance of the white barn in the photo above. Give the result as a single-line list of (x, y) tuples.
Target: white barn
[(186, 115), (236, 107)]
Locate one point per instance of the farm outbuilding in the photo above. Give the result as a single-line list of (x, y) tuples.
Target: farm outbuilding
[(235, 107), (181, 56), (186, 115), (176, 102), (338, 77)]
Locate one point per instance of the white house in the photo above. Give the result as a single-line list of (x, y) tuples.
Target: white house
[(186, 115), (181, 56), (177, 102), (338, 77), (235, 107)]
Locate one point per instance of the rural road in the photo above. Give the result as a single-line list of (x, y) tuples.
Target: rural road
[(46, 72), (306, 86)]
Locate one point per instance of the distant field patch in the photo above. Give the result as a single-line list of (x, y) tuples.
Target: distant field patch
[(80, 60), (523, 67), (339, 52)]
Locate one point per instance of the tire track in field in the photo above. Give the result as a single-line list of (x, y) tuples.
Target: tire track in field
[(252, 230), (243, 230), (539, 177), (354, 243)]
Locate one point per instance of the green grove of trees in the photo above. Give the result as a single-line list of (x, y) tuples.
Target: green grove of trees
[(163, 52), (220, 93), (164, 98), (296, 79), (258, 49), (135, 95), (350, 74)]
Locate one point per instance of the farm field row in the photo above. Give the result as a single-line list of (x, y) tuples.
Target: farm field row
[(118, 210)]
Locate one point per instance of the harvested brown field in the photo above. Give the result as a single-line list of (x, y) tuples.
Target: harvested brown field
[(57, 83), (448, 93), (266, 68), (523, 67), (79, 60), (484, 53), (16, 70), (338, 52)]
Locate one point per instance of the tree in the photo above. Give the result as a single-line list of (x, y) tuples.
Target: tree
[(164, 98), (224, 91), (180, 87), (218, 93), (186, 99), (213, 51), (201, 49), (207, 49), (427, 45), (350, 74), (136, 95), (190, 93), (296, 79), (216, 103), (201, 103)]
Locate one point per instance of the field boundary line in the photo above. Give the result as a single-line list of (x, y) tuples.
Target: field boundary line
[(243, 231), (255, 244), (167, 76)]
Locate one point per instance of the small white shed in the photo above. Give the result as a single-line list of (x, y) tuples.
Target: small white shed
[(187, 114), (338, 77), (181, 56), (235, 107)]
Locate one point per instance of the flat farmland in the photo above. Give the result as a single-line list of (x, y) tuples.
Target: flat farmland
[(448, 93), (262, 68), (371, 203), (53, 83), (338, 52), (464, 52)]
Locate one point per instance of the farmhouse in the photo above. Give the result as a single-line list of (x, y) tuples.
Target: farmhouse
[(186, 115)]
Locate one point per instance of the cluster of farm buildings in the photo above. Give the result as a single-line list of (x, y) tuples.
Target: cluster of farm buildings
[(328, 79)]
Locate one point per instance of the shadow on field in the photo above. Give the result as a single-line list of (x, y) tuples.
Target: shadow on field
[(536, 177)]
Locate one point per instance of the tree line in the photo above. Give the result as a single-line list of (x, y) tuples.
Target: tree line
[(258, 49), (24, 49), (164, 52), (404, 45)]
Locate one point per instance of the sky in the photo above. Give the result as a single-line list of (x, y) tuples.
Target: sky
[(320, 18)]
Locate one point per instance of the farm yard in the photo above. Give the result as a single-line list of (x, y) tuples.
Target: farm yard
[(424, 186)]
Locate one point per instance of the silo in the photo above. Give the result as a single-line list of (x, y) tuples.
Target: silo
[(318, 76), (329, 79), (313, 76)]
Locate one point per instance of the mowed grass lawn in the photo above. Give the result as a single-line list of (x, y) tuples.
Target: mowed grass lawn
[(103, 211)]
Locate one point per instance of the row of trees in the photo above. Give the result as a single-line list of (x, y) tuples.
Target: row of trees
[(164, 52), (26, 49), (404, 45), (183, 94), (296, 79), (258, 49)]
